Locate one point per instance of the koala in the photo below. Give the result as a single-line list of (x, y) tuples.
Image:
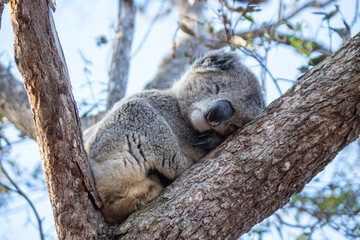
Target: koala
[(161, 133)]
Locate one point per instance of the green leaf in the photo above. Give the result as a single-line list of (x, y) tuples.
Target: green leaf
[(303, 236), (330, 15), (319, 13), (267, 36), (239, 10), (186, 29), (208, 27), (289, 25), (295, 198), (228, 6), (298, 27), (317, 60), (247, 17), (101, 40), (303, 69), (253, 8)]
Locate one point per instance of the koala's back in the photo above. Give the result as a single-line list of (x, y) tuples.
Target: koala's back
[(142, 133), (151, 119)]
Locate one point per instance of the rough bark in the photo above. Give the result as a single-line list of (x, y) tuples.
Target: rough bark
[(41, 62), (14, 103), (120, 61), (173, 65), (256, 171)]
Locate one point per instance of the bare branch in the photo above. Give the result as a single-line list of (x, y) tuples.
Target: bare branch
[(14, 103), (161, 13), (121, 55), (173, 65), (20, 192)]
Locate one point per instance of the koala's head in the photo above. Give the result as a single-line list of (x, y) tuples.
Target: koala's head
[(218, 93)]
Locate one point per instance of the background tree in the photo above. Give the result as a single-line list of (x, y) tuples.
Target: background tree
[(199, 35)]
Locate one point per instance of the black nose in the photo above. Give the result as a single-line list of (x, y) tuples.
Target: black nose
[(218, 113)]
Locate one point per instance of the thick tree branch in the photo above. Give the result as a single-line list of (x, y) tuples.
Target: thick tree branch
[(14, 103), (173, 65), (41, 62), (256, 171), (121, 55)]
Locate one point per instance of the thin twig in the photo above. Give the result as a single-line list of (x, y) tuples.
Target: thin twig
[(148, 31), (356, 13), (252, 54), (269, 28), (20, 192), (88, 81)]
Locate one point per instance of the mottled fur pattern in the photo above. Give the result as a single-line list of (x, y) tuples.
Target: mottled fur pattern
[(158, 131)]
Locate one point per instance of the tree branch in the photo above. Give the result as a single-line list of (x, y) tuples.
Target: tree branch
[(120, 61), (256, 171), (173, 65), (14, 103), (2, 3), (20, 192), (41, 62)]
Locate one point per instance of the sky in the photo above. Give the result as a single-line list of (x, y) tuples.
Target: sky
[(79, 23)]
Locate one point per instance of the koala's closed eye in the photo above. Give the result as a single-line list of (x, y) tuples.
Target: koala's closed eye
[(217, 89), (255, 98)]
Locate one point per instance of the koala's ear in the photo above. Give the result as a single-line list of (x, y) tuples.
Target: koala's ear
[(214, 61)]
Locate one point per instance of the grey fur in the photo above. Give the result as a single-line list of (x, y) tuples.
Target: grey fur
[(156, 130)]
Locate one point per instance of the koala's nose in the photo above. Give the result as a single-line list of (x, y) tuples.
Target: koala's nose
[(218, 113)]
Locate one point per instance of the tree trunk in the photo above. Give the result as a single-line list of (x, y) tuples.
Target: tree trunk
[(69, 181), (120, 61), (256, 171)]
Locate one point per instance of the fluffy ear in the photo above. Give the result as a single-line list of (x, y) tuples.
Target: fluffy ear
[(215, 61)]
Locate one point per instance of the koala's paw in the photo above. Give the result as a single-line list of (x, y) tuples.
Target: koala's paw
[(209, 140)]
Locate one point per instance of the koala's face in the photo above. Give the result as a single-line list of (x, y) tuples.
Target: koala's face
[(219, 100)]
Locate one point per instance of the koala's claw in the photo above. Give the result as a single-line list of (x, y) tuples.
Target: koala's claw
[(204, 134), (203, 143), (208, 140)]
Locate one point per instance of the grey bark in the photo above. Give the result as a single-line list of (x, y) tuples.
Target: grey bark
[(173, 65), (14, 103), (41, 62), (122, 45)]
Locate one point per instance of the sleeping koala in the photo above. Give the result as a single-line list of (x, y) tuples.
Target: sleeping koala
[(164, 132)]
